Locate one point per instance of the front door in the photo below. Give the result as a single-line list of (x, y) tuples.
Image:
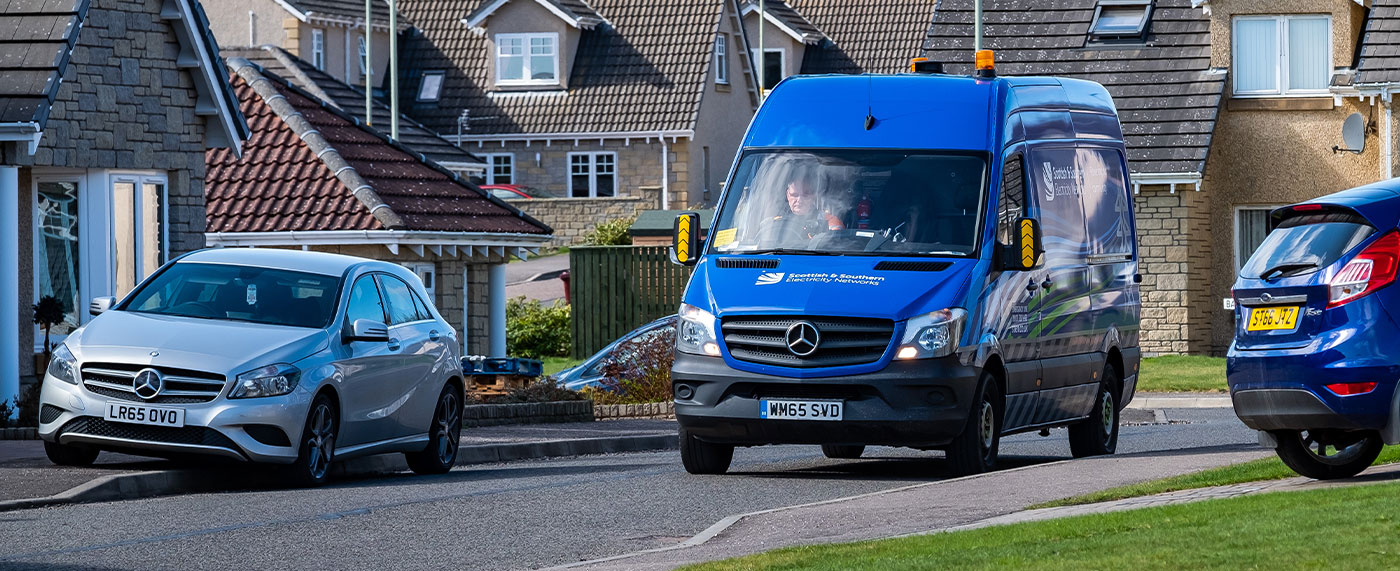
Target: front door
[(369, 372)]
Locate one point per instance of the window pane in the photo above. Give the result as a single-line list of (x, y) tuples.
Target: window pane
[(772, 69), (364, 302), (542, 46), (512, 68), (605, 184), (124, 236), (56, 231), (721, 60), (363, 56), (511, 46), (430, 87), (502, 169), (1308, 67), (1252, 227), (152, 228), (604, 163), (541, 67), (401, 308), (1120, 20), (1256, 55)]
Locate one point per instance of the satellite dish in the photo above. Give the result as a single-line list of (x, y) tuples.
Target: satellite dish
[(1353, 134)]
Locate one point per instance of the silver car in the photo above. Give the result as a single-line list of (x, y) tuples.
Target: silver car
[(276, 356)]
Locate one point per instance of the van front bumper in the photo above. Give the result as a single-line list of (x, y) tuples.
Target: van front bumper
[(916, 403)]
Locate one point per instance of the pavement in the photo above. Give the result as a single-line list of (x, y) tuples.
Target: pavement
[(537, 278)]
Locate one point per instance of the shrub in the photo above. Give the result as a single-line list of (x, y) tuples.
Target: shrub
[(639, 371), (611, 233), (535, 330), (543, 390)]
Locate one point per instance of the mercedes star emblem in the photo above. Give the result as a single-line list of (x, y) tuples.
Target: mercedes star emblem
[(1266, 297), (802, 338), (155, 353), (147, 383)]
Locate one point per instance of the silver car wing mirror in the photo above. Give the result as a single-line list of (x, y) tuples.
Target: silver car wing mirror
[(368, 330), (100, 305)]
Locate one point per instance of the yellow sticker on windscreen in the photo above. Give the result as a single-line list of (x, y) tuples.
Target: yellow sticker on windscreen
[(725, 237)]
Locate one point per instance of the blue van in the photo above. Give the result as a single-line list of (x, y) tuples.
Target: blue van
[(1314, 363), (916, 260)]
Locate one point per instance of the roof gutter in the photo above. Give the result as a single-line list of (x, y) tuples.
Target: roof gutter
[(27, 132), (441, 243), (481, 140), (1171, 179), (1375, 91)]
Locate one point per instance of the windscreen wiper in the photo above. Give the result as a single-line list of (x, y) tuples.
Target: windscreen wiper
[(1285, 268), (792, 251)]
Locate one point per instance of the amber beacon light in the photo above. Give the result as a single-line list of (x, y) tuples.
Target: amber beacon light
[(986, 64)]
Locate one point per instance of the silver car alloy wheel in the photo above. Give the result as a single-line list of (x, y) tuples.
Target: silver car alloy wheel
[(449, 427), (320, 443)]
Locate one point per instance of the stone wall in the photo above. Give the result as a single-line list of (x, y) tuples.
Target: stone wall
[(572, 218), (1174, 248)]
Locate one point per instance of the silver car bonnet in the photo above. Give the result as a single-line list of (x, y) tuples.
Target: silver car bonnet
[(215, 346)]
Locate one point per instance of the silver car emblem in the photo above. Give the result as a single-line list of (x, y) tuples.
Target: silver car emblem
[(148, 384), (802, 338), (1266, 297), (155, 353)]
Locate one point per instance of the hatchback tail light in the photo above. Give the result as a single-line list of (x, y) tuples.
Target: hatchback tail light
[(1344, 389), (1372, 269)]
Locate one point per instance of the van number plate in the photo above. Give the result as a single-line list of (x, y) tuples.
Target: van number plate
[(800, 409), (1272, 318), (137, 414)]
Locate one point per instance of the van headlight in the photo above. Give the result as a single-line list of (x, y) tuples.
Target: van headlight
[(269, 381), (932, 334), (695, 331), (62, 365)]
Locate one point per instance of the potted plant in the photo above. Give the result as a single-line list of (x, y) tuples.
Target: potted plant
[(47, 313)]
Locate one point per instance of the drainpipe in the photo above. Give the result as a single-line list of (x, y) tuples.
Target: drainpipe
[(9, 288), (496, 291), (761, 54), (665, 174), (1387, 147), (977, 27), (369, 64), (393, 70)]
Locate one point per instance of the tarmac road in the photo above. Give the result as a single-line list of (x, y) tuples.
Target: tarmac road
[(544, 513)]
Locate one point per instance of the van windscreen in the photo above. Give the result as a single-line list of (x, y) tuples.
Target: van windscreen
[(844, 202), (1303, 246)]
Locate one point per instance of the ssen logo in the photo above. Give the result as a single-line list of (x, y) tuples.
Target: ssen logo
[(769, 278)]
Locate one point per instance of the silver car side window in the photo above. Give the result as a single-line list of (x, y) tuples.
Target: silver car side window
[(365, 302), (400, 298)]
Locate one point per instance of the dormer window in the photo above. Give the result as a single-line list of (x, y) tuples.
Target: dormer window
[(1116, 20), (430, 87), (527, 59)]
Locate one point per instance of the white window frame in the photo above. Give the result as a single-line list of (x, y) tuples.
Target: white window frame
[(721, 59), (418, 268), (592, 173), (423, 85), (1281, 71), (1099, 35), (525, 42), (318, 48), (139, 179), (1235, 226), (782, 62), (491, 167)]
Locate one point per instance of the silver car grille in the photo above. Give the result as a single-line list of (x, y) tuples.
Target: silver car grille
[(182, 386)]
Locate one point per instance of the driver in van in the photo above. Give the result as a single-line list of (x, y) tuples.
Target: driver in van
[(805, 218)]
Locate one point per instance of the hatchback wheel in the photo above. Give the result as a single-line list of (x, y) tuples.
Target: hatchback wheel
[(975, 450), (1327, 454), (1098, 434), (317, 451), (444, 437), (69, 455)]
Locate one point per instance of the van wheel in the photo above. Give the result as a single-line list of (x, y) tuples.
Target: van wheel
[(701, 457), (843, 451), (69, 455), (1098, 434), (975, 450), (1327, 454), (444, 437), (317, 450)]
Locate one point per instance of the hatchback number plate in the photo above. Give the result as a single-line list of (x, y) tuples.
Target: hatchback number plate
[(137, 414), (800, 409), (1272, 318)]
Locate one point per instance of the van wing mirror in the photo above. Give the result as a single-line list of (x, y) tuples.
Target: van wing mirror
[(1025, 249), (368, 330), (100, 305), (685, 239)]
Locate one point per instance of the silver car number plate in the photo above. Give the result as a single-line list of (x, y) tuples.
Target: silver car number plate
[(138, 414), (779, 409)]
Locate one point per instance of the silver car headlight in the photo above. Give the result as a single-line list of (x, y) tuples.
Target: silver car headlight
[(935, 334), (269, 381), (695, 331), (63, 366)]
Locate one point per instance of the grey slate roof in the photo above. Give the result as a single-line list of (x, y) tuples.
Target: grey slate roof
[(641, 72), (579, 10), (413, 135), (1168, 96), (344, 10), (865, 36), (790, 17), (1380, 45), (36, 41)]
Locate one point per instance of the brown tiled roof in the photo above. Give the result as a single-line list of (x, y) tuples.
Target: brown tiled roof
[(643, 71), (1168, 96), (36, 40), (865, 36), (789, 17), (1380, 45), (281, 184)]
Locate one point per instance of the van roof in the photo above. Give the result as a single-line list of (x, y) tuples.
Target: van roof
[(930, 111)]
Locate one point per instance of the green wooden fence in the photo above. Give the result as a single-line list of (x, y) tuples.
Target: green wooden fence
[(615, 289)]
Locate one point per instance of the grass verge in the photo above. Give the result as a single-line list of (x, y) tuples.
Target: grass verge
[(1252, 471), (553, 365), (1182, 373), (1316, 529)]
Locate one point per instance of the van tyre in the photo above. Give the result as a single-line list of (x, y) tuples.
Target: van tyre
[(1327, 454), (317, 449), (975, 450), (70, 455), (843, 451), (444, 436), (700, 457), (1098, 434)]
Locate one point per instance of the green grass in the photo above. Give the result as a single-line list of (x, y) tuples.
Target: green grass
[(1252, 471), (1182, 373), (1340, 528), (553, 365)]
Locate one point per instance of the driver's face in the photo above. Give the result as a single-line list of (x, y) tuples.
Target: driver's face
[(799, 197)]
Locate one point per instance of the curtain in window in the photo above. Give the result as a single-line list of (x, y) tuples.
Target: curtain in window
[(1256, 55), (56, 257), (1252, 226), (1308, 67)]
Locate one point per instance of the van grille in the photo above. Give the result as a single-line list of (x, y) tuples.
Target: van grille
[(182, 386), (844, 340), (907, 266)]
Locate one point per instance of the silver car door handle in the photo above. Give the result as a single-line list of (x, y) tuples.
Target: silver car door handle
[(433, 334), (393, 344)]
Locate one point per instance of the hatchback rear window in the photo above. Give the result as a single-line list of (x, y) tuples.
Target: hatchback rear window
[(1303, 246)]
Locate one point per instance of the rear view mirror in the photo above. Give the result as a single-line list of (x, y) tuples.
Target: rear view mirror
[(100, 305), (1025, 249), (368, 330), (685, 239)]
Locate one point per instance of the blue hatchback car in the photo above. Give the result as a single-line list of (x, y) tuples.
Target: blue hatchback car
[(1313, 366)]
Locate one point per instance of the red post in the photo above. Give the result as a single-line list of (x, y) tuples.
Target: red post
[(564, 277)]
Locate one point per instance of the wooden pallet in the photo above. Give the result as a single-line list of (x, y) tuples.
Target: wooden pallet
[(492, 385)]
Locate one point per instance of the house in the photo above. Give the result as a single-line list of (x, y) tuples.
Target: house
[(592, 100), (837, 36), (312, 176), (1221, 124), (106, 109), (330, 35)]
